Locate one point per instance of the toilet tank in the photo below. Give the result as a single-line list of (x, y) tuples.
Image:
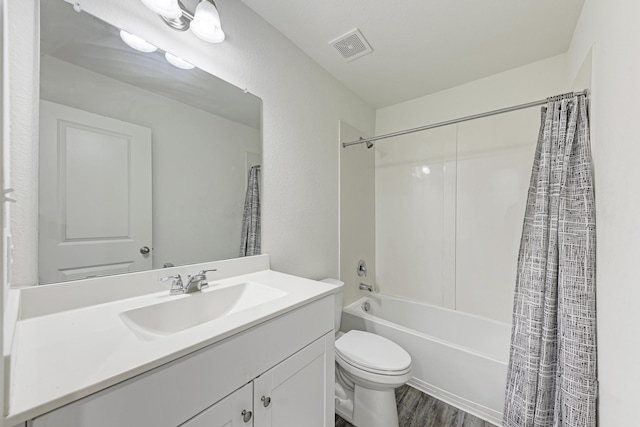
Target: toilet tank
[(339, 298)]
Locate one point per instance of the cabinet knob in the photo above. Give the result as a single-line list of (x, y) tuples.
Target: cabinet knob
[(246, 416), (266, 401)]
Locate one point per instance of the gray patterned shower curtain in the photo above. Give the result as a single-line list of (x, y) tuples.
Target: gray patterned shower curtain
[(551, 379), (250, 238)]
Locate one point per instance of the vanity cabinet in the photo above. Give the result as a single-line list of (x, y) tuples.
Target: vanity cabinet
[(282, 371), (294, 392), (289, 395), (229, 412)]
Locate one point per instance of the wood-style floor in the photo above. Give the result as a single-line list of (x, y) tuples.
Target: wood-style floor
[(416, 409)]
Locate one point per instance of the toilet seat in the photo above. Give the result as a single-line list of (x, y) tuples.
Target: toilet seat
[(372, 353)]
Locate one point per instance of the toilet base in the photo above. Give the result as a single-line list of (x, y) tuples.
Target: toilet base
[(374, 408), (344, 402), (345, 410), (364, 407)]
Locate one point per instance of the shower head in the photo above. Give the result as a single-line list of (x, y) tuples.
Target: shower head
[(368, 143)]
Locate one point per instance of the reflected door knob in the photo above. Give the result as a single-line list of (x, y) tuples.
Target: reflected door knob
[(266, 401), (246, 416), (145, 250)]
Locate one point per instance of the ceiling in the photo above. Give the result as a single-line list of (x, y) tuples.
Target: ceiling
[(423, 46)]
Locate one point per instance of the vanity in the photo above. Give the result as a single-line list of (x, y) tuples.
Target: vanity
[(108, 352)]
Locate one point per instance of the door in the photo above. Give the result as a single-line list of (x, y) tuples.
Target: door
[(95, 195), (232, 411), (298, 391)]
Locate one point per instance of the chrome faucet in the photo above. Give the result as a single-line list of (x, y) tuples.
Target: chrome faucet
[(197, 282), (365, 287)]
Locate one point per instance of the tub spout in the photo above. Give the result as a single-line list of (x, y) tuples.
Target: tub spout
[(365, 287)]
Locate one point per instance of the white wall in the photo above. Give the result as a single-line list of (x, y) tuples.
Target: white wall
[(357, 212), (520, 85), (22, 159), (3, 227), (302, 105), (450, 201), (608, 36), (199, 161)]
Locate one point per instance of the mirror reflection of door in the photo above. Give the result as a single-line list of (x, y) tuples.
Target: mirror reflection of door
[(95, 195)]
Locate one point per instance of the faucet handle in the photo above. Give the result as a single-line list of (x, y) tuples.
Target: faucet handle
[(176, 286), (204, 284), (176, 277)]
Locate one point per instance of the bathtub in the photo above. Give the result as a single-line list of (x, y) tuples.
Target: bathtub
[(458, 358)]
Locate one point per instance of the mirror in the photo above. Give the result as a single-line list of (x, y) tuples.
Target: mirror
[(142, 164)]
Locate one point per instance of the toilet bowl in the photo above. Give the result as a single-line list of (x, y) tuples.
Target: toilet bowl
[(368, 370)]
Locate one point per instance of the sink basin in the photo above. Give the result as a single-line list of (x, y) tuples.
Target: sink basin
[(186, 311)]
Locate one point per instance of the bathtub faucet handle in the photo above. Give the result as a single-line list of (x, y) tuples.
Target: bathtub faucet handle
[(365, 287), (362, 268)]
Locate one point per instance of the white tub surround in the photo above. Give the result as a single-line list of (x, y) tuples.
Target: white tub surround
[(70, 340), (458, 358)]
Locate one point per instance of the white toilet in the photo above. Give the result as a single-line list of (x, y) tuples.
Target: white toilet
[(368, 369)]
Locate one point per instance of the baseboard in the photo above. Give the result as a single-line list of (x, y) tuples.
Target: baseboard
[(472, 408)]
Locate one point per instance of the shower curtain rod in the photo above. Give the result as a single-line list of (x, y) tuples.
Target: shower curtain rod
[(464, 119)]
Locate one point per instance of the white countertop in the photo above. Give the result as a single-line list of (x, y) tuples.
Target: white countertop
[(66, 355)]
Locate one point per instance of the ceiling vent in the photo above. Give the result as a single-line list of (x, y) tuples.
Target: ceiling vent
[(351, 45)]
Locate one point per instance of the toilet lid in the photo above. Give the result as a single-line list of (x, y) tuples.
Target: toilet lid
[(372, 352)]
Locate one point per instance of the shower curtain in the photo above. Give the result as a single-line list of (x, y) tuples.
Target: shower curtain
[(250, 238), (551, 378)]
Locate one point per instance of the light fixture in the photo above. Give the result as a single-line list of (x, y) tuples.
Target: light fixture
[(204, 21), (176, 61), (136, 42), (167, 8)]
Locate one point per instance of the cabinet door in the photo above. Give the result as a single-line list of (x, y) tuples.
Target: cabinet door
[(299, 390), (228, 412)]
